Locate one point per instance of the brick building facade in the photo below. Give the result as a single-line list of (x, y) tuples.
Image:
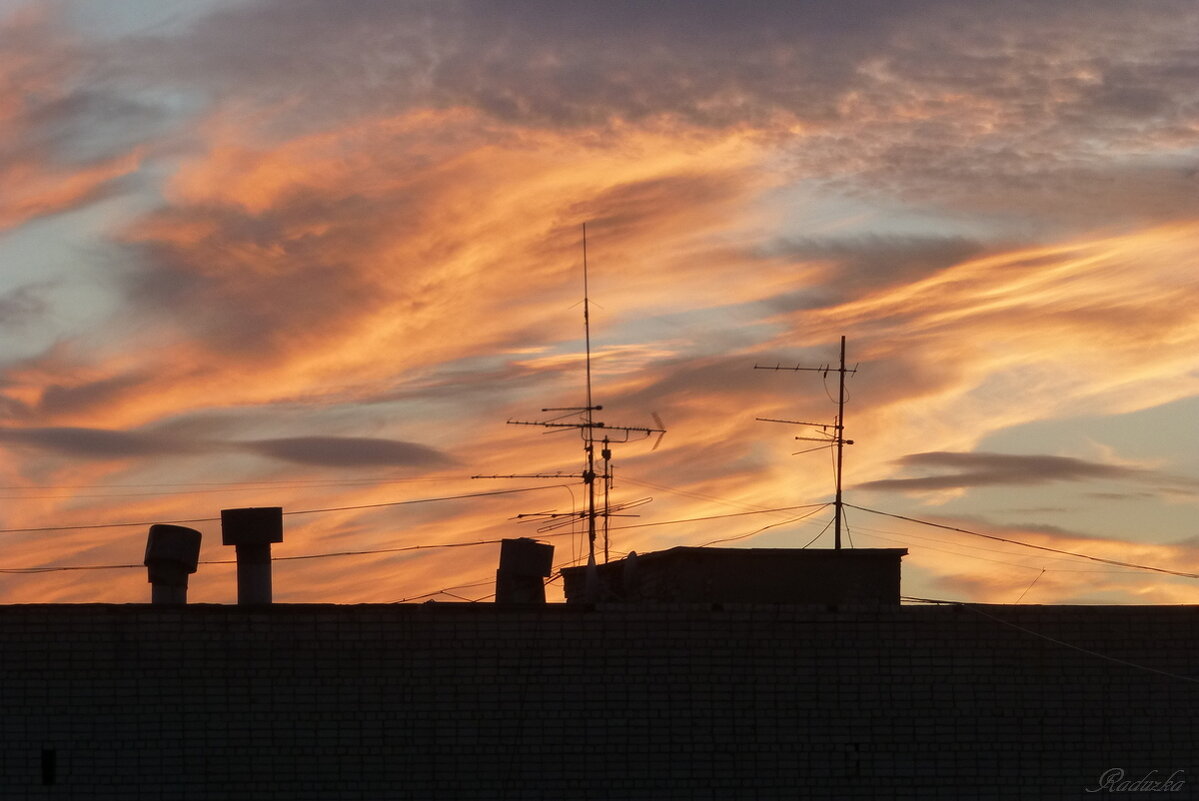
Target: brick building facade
[(622, 701)]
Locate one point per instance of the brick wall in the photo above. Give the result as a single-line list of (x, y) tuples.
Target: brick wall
[(570, 701)]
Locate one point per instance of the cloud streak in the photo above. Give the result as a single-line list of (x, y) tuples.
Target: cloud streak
[(321, 451), (355, 452), (1001, 469)]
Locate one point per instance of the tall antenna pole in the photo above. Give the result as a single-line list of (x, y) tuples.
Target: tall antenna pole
[(587, 321), (606, 454), (587, 426), (588, 435), (840, 437)]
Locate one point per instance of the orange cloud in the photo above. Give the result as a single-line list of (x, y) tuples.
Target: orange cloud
[(38, 66)]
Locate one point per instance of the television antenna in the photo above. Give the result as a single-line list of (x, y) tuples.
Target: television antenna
[(831, 435), (591, 431)]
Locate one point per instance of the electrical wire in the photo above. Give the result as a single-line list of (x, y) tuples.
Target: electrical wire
[(1116, 562), (770, 526), (824, 379), (57, 568), (1079, 648), (443, 590), (284, 482), (819, 534), (285, 513), (555, 574), (297, 557), (845, 522), (698, 495), (868, 533), (1030, 586), (877, 532), (719, 517)]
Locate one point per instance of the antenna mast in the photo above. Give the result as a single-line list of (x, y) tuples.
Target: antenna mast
[(587, 427), (589, 416), (837, 440), (839, 435)]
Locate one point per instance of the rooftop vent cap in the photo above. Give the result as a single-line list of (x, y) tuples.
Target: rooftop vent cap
[(172, 554), (524, 565), (260, 525), (252, 531)]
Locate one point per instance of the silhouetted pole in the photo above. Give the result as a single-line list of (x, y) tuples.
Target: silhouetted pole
[(589, 476), (606, 453), (840, 430)]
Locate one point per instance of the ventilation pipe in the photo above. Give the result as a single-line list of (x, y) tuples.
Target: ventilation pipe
[(251, 532), (172, 553), (524, 566)]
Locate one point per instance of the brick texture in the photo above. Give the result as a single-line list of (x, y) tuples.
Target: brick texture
[(478, 701)]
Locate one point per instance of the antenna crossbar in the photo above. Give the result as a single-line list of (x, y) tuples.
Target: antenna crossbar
[(535, 475), (824, 368), (590, 424), (792, 422)]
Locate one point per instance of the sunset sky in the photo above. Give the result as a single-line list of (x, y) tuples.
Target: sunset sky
[(314, 255)]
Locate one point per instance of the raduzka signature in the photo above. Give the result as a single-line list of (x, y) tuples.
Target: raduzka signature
[(1112, 781)]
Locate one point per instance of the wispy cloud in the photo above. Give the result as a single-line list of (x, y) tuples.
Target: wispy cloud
[(90, 443), (1002, 469), (22, 305), (349, 452), (324, 451), (44, 114)]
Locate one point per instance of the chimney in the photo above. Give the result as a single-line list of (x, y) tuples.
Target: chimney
[(251, 532), (172, 553), (524, 566)]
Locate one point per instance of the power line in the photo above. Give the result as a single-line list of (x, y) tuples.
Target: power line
[(1079, 648), (1030, 586), (1116, 562), (57, 568), (848, 533), (870, 533), (286, 513), (819, 534), (444, 590), (364, 552), (907, 537), (817, 506), (771, 525), (218, 488), (555, 574), (289, 482), (693, 494)]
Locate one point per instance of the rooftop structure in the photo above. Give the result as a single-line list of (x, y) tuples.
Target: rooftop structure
[(855, 576)]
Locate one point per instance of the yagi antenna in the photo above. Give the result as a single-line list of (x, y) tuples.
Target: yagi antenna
[(587, 426), (833, 434)]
